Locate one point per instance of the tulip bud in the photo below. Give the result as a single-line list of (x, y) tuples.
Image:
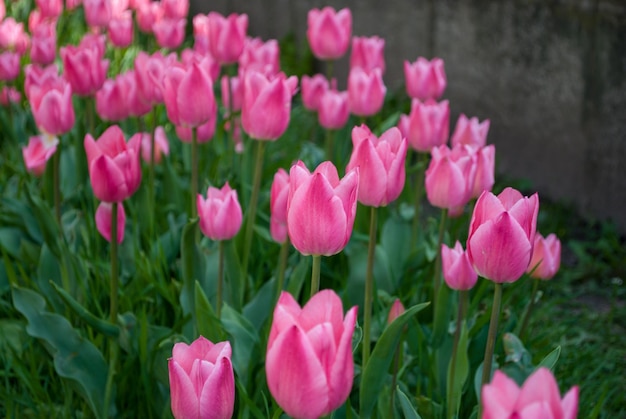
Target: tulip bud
[(457, 269), (546, 258), (368, 53), (38, 152), (366, 91), (425, 79), (227, 36), (313, 88), (428, 125), (449, 177), (278, 206), (333, 111), (220, 214), (395, 311), (329, 32), (470, 132)]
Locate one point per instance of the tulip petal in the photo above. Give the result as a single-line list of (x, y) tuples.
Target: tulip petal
[(342, 370), (216, 398), (540, 387), (498, 397), (107, 180), (182, 392), (570, 404), (325, 306)]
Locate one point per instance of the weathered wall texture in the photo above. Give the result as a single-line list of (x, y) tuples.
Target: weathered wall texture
[(551, 76)]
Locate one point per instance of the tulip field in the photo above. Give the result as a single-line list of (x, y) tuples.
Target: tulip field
[(199, 223)]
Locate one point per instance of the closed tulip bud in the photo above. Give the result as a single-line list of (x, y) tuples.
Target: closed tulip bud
[(9, 95), (539, 398), (368, 53), (381, 164), (546, 259), (470, 132), (169, 33), (12, 36), (266, 107), (104, 221), (485, 167), (51, 103), (457, 269), (161, 146), (501, 234), (121, 29), (321, 209), (428, 125), (279, 195), (148, 14), (39, 76), (202, 382), (114, 167), (425, 79), (329, 32), (188, 95), (9, 65), (260, 56), (313, 88), (83, 66), (200, 25), (98, 13), (44, 43), (50, 8), (309, 363), (38, 151), (220, 214), (112, 100), (334, 110), (227, 36), (150, 72), (395, 311), (175, 9), (205, 61), (366, 91), (449, 177)]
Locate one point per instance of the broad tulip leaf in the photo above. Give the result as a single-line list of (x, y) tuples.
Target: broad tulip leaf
[(442, 316), (75, 357), (190, 273), (395, 239), (550, 360), (207, 323), (261, 305), (375, 372), (244, 340), (461, 371), (234, 274), (408, 411), (295, 281)]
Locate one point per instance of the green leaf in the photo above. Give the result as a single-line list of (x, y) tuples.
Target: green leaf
[(550, 360), (207, 323), (244, 340), (261, 305), (190, 272), (234, 274), (461, 371), (375, 372), (295, 281), (442, 316), (408, 411), (395, 239), (74, 357)]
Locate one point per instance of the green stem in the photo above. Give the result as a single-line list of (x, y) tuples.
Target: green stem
[(437, 275), (56, 159), (529, 309), (491, 338), (258, 170), (369, 286), (329, 70), (460, 318), (220, 280), (194, 172), (113, 348), (329, 144), (151, 194), (282, 265), (315, 274), (419, 191), (394, 378)]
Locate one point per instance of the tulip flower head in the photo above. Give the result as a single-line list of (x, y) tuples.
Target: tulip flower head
[(260, 56), (51, 103), (220, 213), (425, 79), (169, 33), (395, 311), (227, 36), (313, 88), (333, 111), (485, 168), (450, 177), (188, 95), (202, 382), (104, 217), (546, 258), (539, 398), (279, 195), (38, 151), (309, 363), (368, 53), (161, 146), (366, 91), (83, 65), (470, 132), (428, 125), (329, 32), (457, 269)]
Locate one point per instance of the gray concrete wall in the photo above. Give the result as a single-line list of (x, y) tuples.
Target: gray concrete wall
[(551, 76)]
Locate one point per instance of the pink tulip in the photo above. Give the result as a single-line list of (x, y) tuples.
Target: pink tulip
[(266, 107), (161, 146), (137, 105), (114, 166), (175, 9), (9, 95), (204, 132), (470, 132), (202, 382), (119, 7), (501, 234), (112, 100), (235, 90), (72, 4), (104, 221), (148, 14), (205, 61), (260, 56), (44, 43), (51, 103), (149, 73), (546, 259), (381, 164), (9, 65), (200, 25), (425, 79), (366, 91), (485, 167), (321, 208), (329, 32), (449, 177), (395, 311), (3, 10), (39, 76), (368, 53), (333, 111), (50, 8), (309, 364), (457, 269), (227, 36), (279, 195), (84, 66), (313, 88), (12, 36), (38, 152), (98, 13), (220, 214), (188, 95), (428, 125), (121, 30), (539, 398), (169, 33)]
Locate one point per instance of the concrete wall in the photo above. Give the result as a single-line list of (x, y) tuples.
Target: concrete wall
[(551, 76)]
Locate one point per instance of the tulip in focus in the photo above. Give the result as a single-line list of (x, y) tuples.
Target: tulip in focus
[(188, 95), (104, 217), (313, 88), (485, 168), (501, 234), (279, 194), (470, 132), (333, 111), (546, 259), (368, 53), (425, 79), (457, 269), (449, 177), (381, 164), (114, 167), (38, 151), (202, 382), (539, 398), (321, 208), (161, 145), (220, 214), (427, 126), (329, 32), (309, 363), (366, 91)]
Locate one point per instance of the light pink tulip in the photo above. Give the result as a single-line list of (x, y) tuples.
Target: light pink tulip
[(84, 65), (188, 96), (12, 36), (104, 221), (546, 259), (38, 151), (169, 33), (381, 164), (202, 382), (121, 29), (470, 132), (9, 95), (50, 8), (266, 107), (425, 79), (279, 195), (119, 7), (485, 167), (227, 36), (329, 32), (539, 398), (148, 14), (72, 4), (51, 103), (395, 311), (260, 56), (220, 213), (235, 90), (149, 73), (312, 90), (501, 234), (200, 23), (309, 363), (175, 9), (204, 132), (98, 13), (161, 146), (333, 111), (44, 43), (205, 61), (9, 65), (321, 208), (457, 269), (368, 53), (37, 75), (112, 102), (428, 125), (114, 167), (449, 177), (366, 91)]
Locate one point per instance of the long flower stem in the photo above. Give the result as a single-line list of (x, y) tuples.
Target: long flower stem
[(56, 159), (220, 280), (113, 348), (419, 191), (491, 337), (529, 309), (282, 265), (256, 184), (151, 194), (369, 286), (315, 274), (437, 276), (329, 144), (194, 172), (460, 319)]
